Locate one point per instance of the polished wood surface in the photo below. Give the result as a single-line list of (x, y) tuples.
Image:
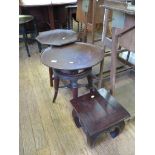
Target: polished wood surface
[(72, 57), (97, 113), (48, 129), (57, 37), (49, 14), (72, 77), (43, 15)]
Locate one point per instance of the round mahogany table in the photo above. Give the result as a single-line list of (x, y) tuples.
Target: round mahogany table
[(57, 37), (72, 62)]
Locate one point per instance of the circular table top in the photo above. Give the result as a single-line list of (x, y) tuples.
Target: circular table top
[(25, 19), (75, 56), (57, 37)]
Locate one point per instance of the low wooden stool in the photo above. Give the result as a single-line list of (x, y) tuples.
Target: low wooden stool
[(98, 112)]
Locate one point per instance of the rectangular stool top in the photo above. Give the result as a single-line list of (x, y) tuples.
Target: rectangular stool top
[(98, 111)]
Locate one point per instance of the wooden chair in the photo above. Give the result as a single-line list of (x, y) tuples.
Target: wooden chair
[(122, 35)]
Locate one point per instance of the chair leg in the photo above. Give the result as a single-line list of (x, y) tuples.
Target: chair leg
[(56, 87)]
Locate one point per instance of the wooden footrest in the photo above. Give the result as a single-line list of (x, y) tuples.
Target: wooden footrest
[(98, 112)]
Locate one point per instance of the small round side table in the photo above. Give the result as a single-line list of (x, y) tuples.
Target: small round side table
[(72, 62), (57, 37)]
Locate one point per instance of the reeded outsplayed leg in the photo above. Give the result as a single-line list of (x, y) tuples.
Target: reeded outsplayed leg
[(56, 87)]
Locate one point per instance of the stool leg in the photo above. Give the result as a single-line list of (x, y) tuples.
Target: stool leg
[(91, 140), (76, 119), (118, 128), (56, 87), (51, 76), (74, 86)]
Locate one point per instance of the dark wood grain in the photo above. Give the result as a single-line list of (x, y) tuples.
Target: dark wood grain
[(57, 37), (72, 57), (72, 77), (49, 14), (96, 113)]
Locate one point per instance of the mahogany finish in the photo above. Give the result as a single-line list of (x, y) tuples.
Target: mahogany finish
[(72, 77), (71, 62), (57, 37), (51, 76), (74, 56), (98, 112), (49, 14)]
